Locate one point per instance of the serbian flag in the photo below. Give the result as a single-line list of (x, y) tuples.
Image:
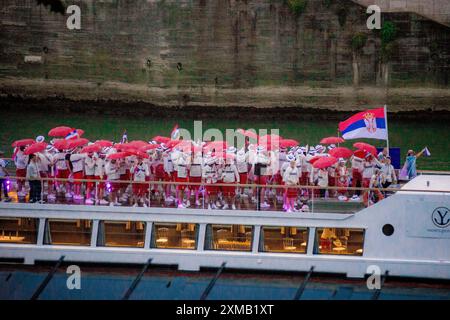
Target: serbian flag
[(73, 135), (366, 124), (175, 132)]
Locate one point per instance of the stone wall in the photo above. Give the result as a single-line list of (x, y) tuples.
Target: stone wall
[(220, 52)]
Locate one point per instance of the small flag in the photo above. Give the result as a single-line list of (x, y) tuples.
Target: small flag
[(73, 135), (124, 137), (175, 132), (426, 152)]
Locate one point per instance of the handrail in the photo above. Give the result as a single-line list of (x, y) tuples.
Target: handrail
[(275, 186)]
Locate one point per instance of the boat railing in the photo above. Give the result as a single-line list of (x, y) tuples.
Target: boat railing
[(250, 196)]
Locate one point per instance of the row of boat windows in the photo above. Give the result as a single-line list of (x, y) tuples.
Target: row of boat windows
[(183, 236)]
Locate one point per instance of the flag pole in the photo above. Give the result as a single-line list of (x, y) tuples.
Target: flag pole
[(339, 135), (387, 130)]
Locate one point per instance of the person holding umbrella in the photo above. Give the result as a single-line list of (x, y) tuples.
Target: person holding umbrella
[(112, 174), (230, 175), (21, 161), (77, 171), (342, 175), (140, 171)]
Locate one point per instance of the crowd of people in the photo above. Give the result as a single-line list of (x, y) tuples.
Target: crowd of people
[(211, 174)]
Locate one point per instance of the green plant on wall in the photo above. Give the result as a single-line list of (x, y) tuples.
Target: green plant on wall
[(388, 34), (358, 42), (297, 6)]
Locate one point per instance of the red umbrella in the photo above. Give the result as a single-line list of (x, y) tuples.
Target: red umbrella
[(74, 143), (61, 144), (34, 148), (22, 143), (286, 143), (366, 147), (123, 146), (341, 152), (138, 153), (91, 148), (324, 162), (161, 139), (248, 133), (138, 143), (360, 153), (149, 147), (314, 159), (217, 145), (332, 140), (104, 143), (118, 155), (61, 131)]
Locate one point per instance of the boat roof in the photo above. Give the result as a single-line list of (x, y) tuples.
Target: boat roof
[(429, 183)]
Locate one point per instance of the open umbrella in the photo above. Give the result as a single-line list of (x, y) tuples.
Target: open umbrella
[(92, 148), (324, 162), (314, 159), (138, 153), (74, 143), (104, 143), (332, 140), (248, 133), (341, 152), (149, 147), (161, 139), (287, 143), (34, 148), (61, 144), (61, 131), (360, 153), (138, 143), (22, 143), (118, 155), (366, 147)]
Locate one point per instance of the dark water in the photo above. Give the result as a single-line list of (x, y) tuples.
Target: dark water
[(99, 283)]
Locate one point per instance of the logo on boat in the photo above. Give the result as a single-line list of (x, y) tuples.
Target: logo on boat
[(370, 122), (441, 217)]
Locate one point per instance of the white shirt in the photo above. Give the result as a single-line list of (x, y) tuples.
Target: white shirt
[(196, 167), (77, 161), (33, 171), (111, 170), (89, 166), (322, 177), (99, 168), (291, 175), (181, 167), (140, 171), (230, 173), (209, 173), (21, 160), (357, 163), (60, 161), (388, 172), (168, 165), (241, 162)]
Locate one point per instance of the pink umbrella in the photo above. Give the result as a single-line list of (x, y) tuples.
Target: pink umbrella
[(149, 147), (161, 139), (248, 133), (314, 159), (360, 153), (61, 144), (287, 143), (91, 148), (332, 140), (136, 152), (34, 148), (104, 143), (74, 143), (366, 147), (61, 131), (138, 143), (124, 146), (118, 155), (324, 162), (341, 152), (22, 143)]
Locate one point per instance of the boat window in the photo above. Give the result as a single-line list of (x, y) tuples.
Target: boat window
[(121, 234), (231, 237), (174, 236), (339, 241), (283, 239), (68, 232), (18, 230)]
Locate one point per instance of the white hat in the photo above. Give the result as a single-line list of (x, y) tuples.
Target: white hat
[(260, 148), (241, 152), (341, 160), (210, 160), (231, 149), (320, 148), (290, 157), (312, 150), (331, 146), (40, 139)]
